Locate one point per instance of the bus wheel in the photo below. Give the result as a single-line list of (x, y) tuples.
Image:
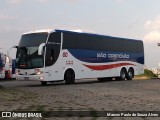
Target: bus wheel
[(123, 74), (44, 83), (130, 74), (101, 79), (69, 77)]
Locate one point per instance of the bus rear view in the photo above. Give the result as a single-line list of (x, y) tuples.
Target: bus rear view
[(56, 55)]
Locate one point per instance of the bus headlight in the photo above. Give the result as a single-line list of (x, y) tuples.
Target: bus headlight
[(38, 72), (41, 78), (17, 72)]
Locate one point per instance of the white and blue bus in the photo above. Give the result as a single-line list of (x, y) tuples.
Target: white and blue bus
[(56, 55)]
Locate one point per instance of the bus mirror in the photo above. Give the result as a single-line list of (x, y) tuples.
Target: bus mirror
[(40, 49), (10, 50), (15, 47)]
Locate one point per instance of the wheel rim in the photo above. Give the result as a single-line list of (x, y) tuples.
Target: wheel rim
[(123, 74), (130, 74)]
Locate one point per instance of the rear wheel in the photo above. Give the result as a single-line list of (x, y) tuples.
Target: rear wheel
[(69, 77), (44, 83), (123, 74), (130, 74)]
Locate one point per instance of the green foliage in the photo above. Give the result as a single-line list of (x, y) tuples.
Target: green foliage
[(149, 73)]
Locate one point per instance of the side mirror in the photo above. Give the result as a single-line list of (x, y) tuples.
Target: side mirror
[(10, 50), (40, 49), (15, 47)]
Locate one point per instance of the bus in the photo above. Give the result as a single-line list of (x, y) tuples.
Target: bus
[(57, 55), (6, 67)]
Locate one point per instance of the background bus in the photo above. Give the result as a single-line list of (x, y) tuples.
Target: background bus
[(7, 67), (55, 55)]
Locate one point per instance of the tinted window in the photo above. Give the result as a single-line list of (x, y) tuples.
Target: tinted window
[(97, 42), (34, 39), (27, 57), (53, 48), (1, 64)]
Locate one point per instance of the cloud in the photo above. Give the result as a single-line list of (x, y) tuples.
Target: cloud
[(153, 24), (153, 36), (154, 27), (43, 1), (14, 1), (119, 1), (151, 49), (150, 42), (4, 16)]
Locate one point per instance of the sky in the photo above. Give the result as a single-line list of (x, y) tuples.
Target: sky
[(136, 19)]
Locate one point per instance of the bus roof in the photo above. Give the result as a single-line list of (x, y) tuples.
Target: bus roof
[(75, 32), (93, 34), (38, 31)]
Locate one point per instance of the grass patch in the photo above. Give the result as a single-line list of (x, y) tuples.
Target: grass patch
[(93, 114), (40, 108), (14, 99), (15, 95), (148, 74), (141, 77)]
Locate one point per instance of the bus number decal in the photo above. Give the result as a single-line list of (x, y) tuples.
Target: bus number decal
[(69, 62)]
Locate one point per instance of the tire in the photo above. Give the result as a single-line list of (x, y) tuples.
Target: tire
[(69, 77), (44, 83), (117, 78), (130, 74), (123, 74), (101, 79), (7, 76)]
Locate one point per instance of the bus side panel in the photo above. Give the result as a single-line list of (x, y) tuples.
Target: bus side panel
[(87, 70)]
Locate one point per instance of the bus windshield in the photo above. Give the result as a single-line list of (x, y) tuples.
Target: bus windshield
[(27, 53)]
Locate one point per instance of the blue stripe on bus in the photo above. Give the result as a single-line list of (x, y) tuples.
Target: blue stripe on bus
[(94, 56)]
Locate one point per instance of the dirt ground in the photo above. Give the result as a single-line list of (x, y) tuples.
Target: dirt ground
[(85, 95)]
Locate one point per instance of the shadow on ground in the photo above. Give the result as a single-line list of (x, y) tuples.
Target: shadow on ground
[(78, 82)]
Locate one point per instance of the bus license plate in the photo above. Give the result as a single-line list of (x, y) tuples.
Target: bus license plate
[(26, 78)]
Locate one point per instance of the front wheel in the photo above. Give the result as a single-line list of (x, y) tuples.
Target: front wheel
[(69, 77), (44, 83)]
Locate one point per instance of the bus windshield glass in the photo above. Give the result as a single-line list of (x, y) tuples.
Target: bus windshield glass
[(27, 53)]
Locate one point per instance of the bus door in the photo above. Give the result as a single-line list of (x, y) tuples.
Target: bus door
[(53, 49)]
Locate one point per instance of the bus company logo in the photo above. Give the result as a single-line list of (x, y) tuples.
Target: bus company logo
[(6, 114), (101, 55), (65, 54), (115, 56), (21, 114)]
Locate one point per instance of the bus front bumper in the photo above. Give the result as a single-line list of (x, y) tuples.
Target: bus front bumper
[(33, 77)]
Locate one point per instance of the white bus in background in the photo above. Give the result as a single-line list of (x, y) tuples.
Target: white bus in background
[(6, 67), (56, 55)]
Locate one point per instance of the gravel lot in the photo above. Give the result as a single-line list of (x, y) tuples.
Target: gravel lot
[(135, 95)]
